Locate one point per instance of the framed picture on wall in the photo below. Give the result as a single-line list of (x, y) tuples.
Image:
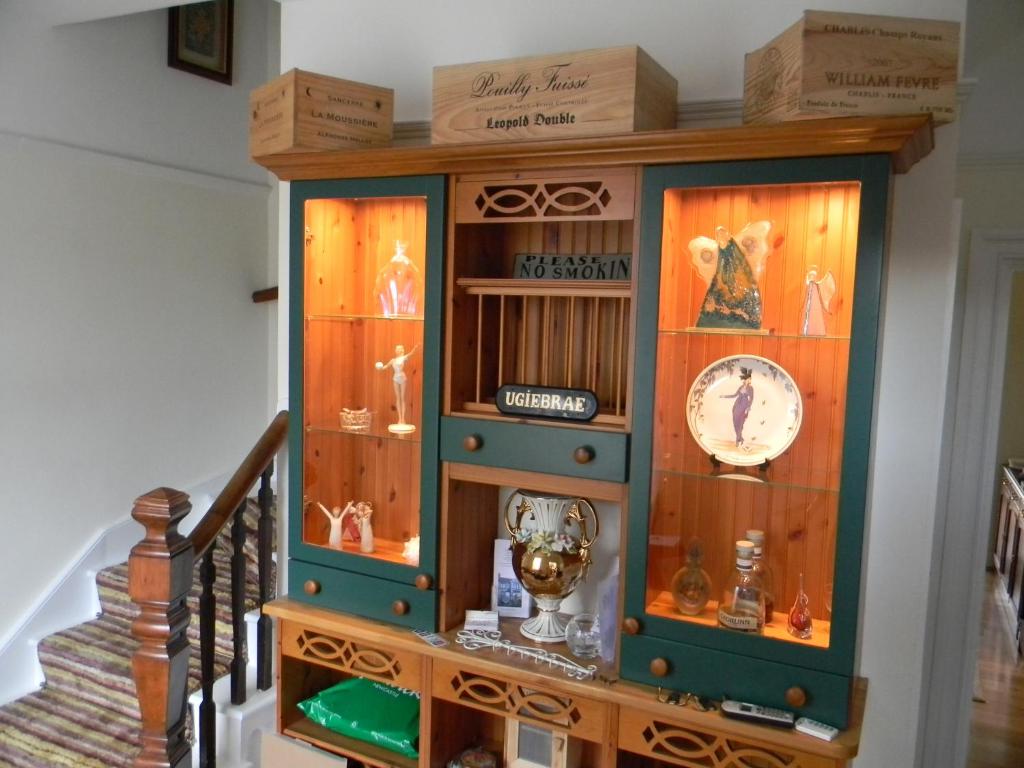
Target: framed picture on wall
[(199, 39)]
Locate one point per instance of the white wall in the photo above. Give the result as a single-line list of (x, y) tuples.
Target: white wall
[(132, 354), (396, 44)]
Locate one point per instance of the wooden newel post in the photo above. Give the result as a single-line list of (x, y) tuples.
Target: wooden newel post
[(159, 580)]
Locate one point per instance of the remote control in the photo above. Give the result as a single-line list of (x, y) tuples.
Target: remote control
[(816, 729), (755, 713)]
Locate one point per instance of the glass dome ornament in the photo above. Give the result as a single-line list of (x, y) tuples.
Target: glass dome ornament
[(399, 287)]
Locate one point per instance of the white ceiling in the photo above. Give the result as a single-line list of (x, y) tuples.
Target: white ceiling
[(56, 12)]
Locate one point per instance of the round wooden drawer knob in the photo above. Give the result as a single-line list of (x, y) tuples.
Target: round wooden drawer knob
[(660, 667), (311, 587), (796, 696), (472, 443), (631, 626), (583, 455), (423, 581), (400, 607)]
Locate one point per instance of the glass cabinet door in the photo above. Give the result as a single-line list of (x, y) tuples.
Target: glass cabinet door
[(365, 326), (758, 388)]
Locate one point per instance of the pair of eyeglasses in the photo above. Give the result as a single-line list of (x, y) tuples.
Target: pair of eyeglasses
[(682, 699)]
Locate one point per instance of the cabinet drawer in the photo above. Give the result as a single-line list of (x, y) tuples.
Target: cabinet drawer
[(706, 672), (351, 655), (367, 596), (689, 742), (584, 453), (582, 718)]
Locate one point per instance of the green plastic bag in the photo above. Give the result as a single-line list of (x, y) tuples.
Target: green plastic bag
[(369, 711)]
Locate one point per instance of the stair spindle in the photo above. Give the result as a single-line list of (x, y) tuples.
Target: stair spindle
[(265, 543), (238, 656), (207, 618)]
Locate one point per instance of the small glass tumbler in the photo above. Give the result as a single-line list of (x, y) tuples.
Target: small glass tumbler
[(583, 636)]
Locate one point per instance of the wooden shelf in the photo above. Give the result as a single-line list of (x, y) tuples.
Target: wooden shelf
[(373, 433), (906, 139), (378, 757), (356, 317), (664, 607), (738, 332), (602, 289), (383, 549), (730, 474)]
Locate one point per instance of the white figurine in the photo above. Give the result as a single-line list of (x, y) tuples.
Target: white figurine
[(363, 513), (411, 551), (397, 364), (336, 517)]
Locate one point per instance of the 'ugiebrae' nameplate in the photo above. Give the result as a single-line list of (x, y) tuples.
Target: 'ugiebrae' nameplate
[(549, 402)]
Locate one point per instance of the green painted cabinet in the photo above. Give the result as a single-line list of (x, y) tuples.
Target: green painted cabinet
[(365, 346), (753, 392)]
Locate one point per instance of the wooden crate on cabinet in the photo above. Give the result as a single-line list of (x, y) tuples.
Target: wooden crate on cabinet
[(582, 93)]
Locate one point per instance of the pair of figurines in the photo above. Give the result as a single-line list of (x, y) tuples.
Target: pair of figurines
[(357, 526)]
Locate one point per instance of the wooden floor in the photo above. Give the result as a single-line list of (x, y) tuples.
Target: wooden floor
[(997, 722)]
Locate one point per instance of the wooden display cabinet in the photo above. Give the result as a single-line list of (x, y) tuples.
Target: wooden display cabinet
[(630, 338), (794, 463), (366, 312)]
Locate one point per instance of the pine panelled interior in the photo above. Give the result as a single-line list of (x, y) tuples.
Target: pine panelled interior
[(795, 499), (559, 338), (813, 226), (347, 243), (365, 468)]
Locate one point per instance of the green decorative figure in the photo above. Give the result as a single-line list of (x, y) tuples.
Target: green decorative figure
[(731, 266)]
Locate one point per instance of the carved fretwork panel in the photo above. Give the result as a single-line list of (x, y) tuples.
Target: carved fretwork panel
[(575, 715), (351, 656), (574, 195), (691, 747)]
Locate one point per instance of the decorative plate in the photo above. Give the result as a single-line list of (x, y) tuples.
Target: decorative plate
[(744, 410)]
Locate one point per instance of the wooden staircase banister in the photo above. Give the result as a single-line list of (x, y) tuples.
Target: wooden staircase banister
[(161, 572), (234, 493)]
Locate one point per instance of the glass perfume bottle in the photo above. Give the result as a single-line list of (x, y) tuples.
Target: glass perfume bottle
[(691, 585), (799, 624), (399, 287), (742, 606), (763, 571)]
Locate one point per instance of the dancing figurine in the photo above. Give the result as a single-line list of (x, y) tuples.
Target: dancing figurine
[(337, 520), (363, 513), (397, 365)]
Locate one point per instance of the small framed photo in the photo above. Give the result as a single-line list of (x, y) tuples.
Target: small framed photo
[(509, 597), (199, 39), (528, 746)]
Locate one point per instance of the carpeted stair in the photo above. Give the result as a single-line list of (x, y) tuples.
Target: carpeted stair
[(86, 715)]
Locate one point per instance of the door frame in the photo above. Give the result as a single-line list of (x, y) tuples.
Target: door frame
[(964, 514)]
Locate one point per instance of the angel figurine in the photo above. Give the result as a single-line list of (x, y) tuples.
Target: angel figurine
[(731, 265), (816, 303)]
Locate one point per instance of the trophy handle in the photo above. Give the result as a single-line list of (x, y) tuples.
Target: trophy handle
[(577, 515), (522, 509)]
